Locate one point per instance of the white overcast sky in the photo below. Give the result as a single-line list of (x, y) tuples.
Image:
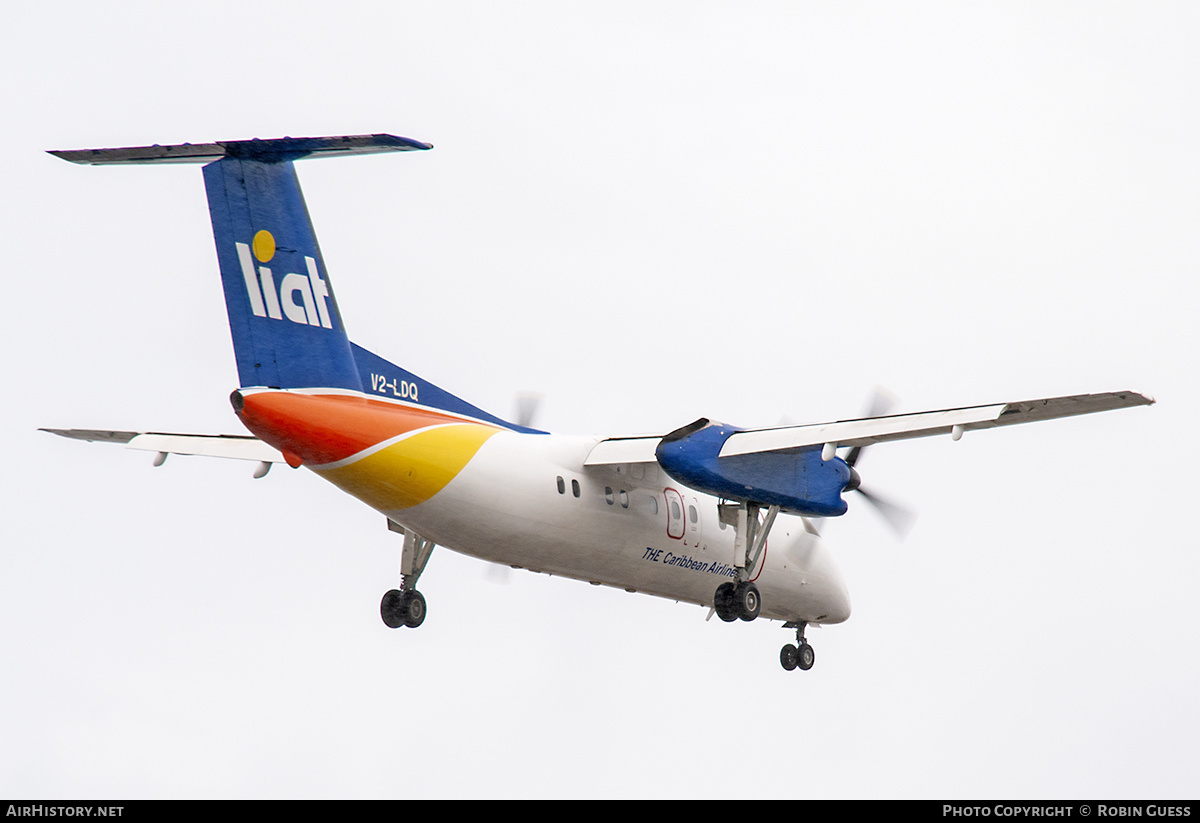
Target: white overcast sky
[(649, 212)]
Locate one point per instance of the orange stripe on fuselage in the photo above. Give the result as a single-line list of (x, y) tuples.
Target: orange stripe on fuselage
[(326, 428), (337, 435)]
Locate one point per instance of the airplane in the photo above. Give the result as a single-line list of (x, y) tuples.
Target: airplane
[(709, 514)]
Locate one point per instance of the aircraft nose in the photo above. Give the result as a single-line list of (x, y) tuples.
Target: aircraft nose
[(836, 601), (839, 608)]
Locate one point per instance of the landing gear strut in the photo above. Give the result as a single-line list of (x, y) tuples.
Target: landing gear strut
[(740, 599), (800, 656), (406, 606)]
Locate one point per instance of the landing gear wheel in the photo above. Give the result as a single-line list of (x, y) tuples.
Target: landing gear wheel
[(799, 656), (402, 609), (414, 609), (723, 603), (806, 657), (747, 601), (390, 609)]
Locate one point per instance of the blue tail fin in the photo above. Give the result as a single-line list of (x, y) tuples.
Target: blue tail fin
[(287, 331)]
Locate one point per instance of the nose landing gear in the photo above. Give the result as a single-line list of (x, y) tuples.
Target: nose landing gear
[(800, 656)]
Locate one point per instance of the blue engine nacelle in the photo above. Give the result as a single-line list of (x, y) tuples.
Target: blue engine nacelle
[(798, 481)]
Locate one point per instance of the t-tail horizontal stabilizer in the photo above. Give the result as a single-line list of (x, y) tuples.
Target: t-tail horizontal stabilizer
[(267, 151)]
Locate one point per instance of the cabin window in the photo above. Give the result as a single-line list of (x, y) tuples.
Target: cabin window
[(608, 495), (692, 514), (624, 499), (562, 487), (575, 487)]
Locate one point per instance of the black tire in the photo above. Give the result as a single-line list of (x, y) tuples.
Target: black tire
[(391, 609), (747, 601), (723, 603), (789, 657), (806, 657), (414, 609)]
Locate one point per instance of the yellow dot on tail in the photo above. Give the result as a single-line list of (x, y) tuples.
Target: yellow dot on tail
[(264, 246)]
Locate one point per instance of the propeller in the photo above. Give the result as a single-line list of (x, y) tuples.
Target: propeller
[(898, 518), (527, 404), (882, 402), (498, 573), (525, 411)]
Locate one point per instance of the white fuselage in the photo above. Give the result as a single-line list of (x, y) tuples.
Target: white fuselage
[(528, 501)]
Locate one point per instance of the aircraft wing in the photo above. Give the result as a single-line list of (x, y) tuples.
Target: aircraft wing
[(623, 450), (868, 430), (234, 446)]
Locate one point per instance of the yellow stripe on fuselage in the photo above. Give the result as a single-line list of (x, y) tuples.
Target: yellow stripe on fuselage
[(411, 470)]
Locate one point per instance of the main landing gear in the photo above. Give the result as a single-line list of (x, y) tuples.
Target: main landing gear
[(402, 608), (739, 599), (734, 601), (800, 656), (406, 606)]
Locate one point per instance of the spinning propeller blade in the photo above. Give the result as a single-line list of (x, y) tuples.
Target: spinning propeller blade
[(527, 404), (882, 402), (898, 518)]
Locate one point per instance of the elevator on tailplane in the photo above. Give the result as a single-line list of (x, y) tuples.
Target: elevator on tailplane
[(709, 514)]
